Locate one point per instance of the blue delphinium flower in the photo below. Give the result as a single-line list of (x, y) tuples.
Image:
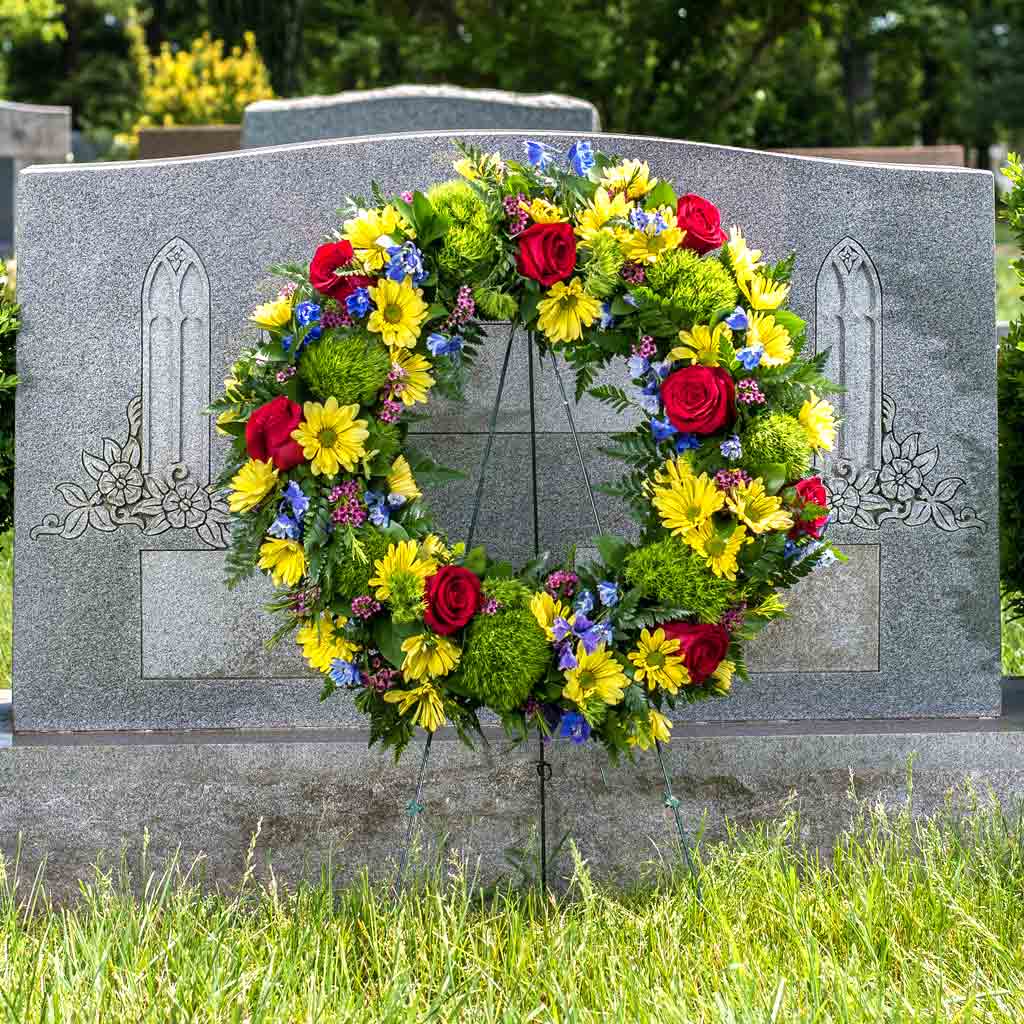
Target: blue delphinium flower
[(789, 548), (574, 727), (307, 313), (737, 319), (286, 342), (649, 401), (608, 592), (581, 628), (537, 154), (443, 345), (604, 632), (731, 447), (638, 219), (581, 157), (566, 657), (662, 430), (285, 527), (344, 673), (750, 356), (607, 320), (638, 367), (358, 303), (629, 299), (684, 442), (584, 602), (296, 499), (405, 261), (662, 369), (380, 506)]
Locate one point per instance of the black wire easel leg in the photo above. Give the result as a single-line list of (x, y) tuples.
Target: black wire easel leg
[(672, 801), (412, 809)]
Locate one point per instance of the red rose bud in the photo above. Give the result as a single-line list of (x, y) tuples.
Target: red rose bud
[(701, 221), (328, 258), (268, 434), (547, 253), (699, 399), (701, 646), (810, 491), (453, 598)]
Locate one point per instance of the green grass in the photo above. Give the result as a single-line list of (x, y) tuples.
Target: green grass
[(1008, 292), (906, 923), (6, 601)]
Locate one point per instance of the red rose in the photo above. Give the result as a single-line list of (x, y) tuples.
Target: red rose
[(547, 253), (810, 491), (701, 221), (268, 434), (453, 598), (702, 647), (699, 399), (326, 260)]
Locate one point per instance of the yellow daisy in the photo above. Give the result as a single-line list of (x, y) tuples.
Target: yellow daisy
[(657, 729), (331, 436), (700, 344), (685, 505), (566, 311), (744, 261), (656, 663), (546, 609), (426, 702), (543, 212), (760, 511), (251, 484), (763, 293), (633, 177), (819, 420), (645, 245), (434, 547), (719, 550), (228, 416), (400, 480), (674, 471), (401, 557), (599, 211), (772, 337), (595, 675), (428, 656), (285, 559), (272, 314), (417, 380), (722, 677), (489, 164), (371, 235), (399, 314), (322, 641)]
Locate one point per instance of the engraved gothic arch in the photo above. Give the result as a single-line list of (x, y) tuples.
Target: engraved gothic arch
[(848, 319), (176, 362)]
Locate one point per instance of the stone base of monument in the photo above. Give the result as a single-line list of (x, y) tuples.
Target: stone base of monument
[(313, 797)]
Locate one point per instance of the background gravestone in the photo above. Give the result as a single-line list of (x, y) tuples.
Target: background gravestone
[(121, 621), (412, 108), (29, 134)]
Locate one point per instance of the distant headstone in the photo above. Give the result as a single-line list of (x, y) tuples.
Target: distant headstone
[(29, 134), (121, 621), (412, 108), (188, 140), (931, 156)]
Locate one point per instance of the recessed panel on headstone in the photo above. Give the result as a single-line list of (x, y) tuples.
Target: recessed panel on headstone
[(120, 617)]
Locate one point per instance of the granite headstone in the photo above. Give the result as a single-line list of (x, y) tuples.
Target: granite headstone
[(412, 108), (121, 621)]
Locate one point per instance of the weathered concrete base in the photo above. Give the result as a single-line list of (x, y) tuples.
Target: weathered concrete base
[(314, 795)]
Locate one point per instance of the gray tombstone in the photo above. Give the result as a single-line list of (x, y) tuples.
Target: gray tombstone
[(412, 108), (120, 618), (29, 134)]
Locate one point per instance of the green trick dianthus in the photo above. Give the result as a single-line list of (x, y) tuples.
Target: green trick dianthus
[(604, 260), (494, 304), (350, 575), (507, 591), (777, 438), (675, 575), (692, 286), (351, 365), (505, 656), (470, 246)]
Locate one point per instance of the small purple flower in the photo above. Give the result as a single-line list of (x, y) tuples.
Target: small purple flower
[(285, 375), (490, 606), (749, 393), (358, 303), (574, 727), (662, 430), (365, 607), (737, 319), (731, 447)]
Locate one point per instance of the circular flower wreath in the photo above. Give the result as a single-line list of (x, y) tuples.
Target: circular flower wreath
[(598, 260)]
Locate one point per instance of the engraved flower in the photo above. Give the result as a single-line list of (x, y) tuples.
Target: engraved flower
[(186, 506), (900, 479), (844, 500), (178, 503), (120, 484)]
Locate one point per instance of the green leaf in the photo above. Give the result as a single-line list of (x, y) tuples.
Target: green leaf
[(476, 561), (388, 637), (528, 307), (774, 476), (661, 195), (613, 549)]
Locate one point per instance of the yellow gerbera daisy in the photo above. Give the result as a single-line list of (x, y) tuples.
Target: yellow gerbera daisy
[(657, 729), (543, 212), (719, 550), (763, 293), (599, 211), (700, 344), (417, 380), (595, 675), (488, 164), (645, 245), (331, 436), (400, 480), (251, 484), (744, 261), (322, 641), (759, 510), (763, 330), (401, 557), (722, 677), (656, 663), (371, 235), (566, 311), (690, 503), (546, 609), (272, 314), (426, 701), (428, 656), (674, 471), (819, 420), (633, 177), (399, 314), (285, 559), (434, 547)]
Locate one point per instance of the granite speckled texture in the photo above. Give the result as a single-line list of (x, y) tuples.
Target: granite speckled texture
[(917, 244), (422, 108)]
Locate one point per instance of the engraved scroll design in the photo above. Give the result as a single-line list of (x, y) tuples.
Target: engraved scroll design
[(875, 475), (158, 478)]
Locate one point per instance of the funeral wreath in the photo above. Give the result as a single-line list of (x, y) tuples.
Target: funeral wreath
[(600, 261)]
